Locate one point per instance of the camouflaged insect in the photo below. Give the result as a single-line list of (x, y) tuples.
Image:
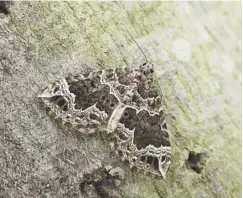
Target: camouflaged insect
[(122, 102)]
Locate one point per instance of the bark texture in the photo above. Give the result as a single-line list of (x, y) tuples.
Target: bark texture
[(196, 48)]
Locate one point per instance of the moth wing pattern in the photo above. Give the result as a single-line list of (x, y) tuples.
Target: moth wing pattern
[(86, 102), (141, 135), (125, 103), (82, 102)]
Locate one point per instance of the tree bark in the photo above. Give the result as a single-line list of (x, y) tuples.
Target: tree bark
[(196, 49)]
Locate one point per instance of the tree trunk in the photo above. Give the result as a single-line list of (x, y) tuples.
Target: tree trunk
[(196, 50)]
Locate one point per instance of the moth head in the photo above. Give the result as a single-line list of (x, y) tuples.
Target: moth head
[(147, 68)]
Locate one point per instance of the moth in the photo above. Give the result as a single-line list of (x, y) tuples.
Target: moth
[(122, 102)]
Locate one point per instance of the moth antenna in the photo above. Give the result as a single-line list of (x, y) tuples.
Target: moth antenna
[(136, 43), (147, 62)]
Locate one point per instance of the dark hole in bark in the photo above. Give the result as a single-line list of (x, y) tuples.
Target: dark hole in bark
[(195, 161), (4, 7)]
